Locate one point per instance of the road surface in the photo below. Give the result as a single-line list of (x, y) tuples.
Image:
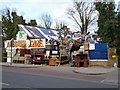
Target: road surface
[(44, 78)]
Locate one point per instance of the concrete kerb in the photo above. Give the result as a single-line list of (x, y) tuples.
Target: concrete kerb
[(88, 73), (32, 66), (19, 65), (93, 70)]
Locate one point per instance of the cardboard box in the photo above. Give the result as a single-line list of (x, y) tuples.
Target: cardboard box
[(53, 62)]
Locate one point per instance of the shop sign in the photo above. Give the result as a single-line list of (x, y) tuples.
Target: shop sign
[(37, 43), (17, 43), (33, 43), (21, 35)]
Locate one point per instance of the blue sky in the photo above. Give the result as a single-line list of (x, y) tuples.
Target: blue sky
[(33, 9)]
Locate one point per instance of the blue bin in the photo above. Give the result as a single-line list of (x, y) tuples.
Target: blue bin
[(94, 54), (101, 46)]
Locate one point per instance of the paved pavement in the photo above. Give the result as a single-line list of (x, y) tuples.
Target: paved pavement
[(80, 70), (94, 70)]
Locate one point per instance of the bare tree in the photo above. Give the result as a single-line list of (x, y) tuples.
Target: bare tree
[(46, 20), (82, 13), (59, 24)]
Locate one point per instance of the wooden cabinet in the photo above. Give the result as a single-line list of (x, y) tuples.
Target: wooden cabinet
[(37, 56), (81, 58)]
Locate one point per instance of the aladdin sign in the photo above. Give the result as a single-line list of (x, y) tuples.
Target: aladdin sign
[(21, 35), (33, 43)]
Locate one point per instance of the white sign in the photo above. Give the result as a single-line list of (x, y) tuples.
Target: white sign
[(21, 35), (91, 46)]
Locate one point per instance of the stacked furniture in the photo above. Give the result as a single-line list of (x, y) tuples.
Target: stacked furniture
[(81, 58), (63, 55), (19, 57), (37, 56), (54, 55)]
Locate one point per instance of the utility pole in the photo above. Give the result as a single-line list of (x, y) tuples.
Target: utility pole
[(1, 35), (12, 45)]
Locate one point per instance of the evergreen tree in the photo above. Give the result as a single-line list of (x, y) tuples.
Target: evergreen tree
[(32, 23), (7, 25), (117, 33), (106, 22), (10, 20)]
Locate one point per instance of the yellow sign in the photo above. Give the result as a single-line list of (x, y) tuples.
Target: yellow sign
[(17, 43), (33, 43), (37, 43)]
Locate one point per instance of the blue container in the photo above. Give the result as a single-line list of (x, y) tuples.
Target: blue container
[(94, 54), (101, 46)]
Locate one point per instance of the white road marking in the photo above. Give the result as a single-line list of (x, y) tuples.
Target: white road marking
[(109, 81), (102, 81), (4, 84), (31, 88)]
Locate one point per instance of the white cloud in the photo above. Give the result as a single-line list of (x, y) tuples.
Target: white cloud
[(34, 8)]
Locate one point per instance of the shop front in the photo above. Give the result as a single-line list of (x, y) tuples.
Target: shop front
[(24, 48)]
